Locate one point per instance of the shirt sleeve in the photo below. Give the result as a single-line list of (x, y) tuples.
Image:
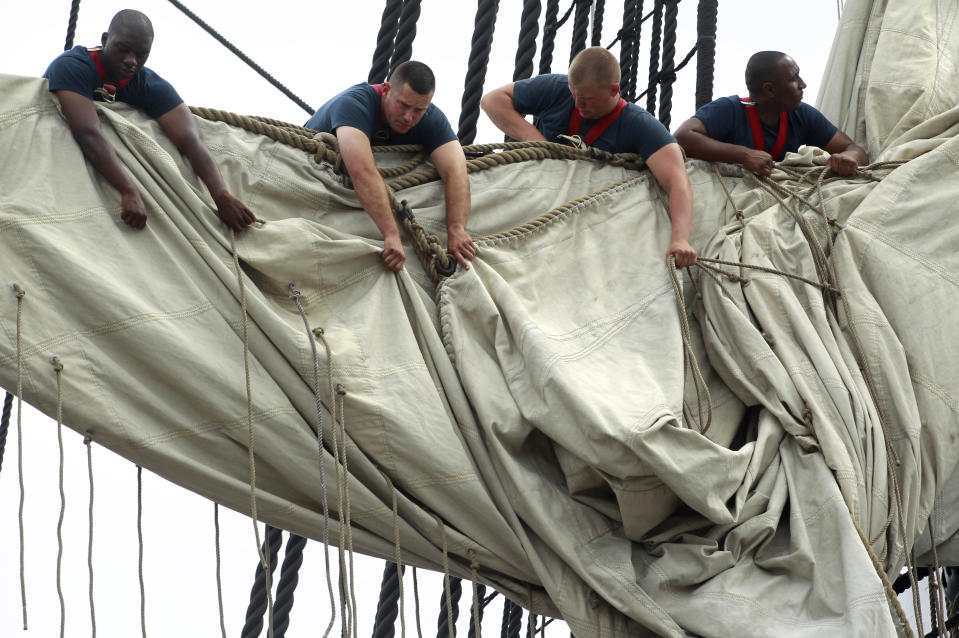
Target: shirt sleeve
[(156, 96), (71, 73), (536, 95), (356, 109), (819, 129), (719, 118), (437, 130)]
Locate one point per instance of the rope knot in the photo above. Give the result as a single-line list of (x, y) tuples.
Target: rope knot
[(318, 332), (474, 566), (21, 293), (807, 416), (294, 293), (57, 366), (340, 390)]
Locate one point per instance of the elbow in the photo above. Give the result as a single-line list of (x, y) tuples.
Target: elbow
[(486, 103)]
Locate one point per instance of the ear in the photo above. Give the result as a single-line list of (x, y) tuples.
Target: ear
[(386, 88), (103, 38)]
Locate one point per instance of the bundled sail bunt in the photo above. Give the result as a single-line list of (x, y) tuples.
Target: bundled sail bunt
[(749, 447)]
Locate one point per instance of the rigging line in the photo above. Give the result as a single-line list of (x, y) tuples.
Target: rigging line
[(549, 37), (416, 604), (389, 24), (264, 557), (526, 47), (289, 577), (482, 42), (20, 293), (5, 422), (312, 335), (340, 398), (219, 579), (446, 576), (93, 616), (619, 34), (72, 24), (58, 369), (253, 65), (143, 593), (405, 33), (661, 77), (699, 383)]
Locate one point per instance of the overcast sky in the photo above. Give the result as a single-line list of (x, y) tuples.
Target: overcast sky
[(315, 48)]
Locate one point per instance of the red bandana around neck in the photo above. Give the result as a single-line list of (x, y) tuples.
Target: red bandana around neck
[(110, 87), (756, 125)]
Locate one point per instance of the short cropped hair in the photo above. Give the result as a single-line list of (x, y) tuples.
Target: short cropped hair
[(133, 21), (762, 67), (415, 75), (594, 65)]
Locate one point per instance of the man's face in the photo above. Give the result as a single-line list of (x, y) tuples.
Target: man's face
[(403, 108), (594, 101), (125, 51), (788, 86)]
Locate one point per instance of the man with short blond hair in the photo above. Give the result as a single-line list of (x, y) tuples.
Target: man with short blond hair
[(399, 111), (586, 104)]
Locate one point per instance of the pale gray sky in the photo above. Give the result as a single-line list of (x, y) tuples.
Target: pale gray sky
[(316, 48)]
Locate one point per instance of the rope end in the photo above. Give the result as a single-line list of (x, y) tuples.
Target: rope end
[(21, 293)]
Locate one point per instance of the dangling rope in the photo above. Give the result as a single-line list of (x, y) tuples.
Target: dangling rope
[(93, 615), (599, 8), (72, 24), (253, 65), (289, 577), (416, 604), (343, 491), (389, 24), (450, 612), (405, 33), (20, 293), (387, 608), (5, 423), (512, 619), (479, 595), (484, 26), (629, 49), (219, 580), (549, 37), (58, 369), (707, 16), (702, 390), (261, 583), (312, 336), (526, 47), (580, 27), (143, 589), (668, 75), (654, 45)]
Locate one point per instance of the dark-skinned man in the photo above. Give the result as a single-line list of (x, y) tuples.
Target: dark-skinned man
[(399, 112), (115, 72), (587, 102), (759, 131)]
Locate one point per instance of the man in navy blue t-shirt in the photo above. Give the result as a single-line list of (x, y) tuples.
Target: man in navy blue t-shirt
[(399, 112), (759, 131), (113, 72), (586, 104)]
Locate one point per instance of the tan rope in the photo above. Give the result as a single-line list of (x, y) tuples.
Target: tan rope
[(58, 369), (446, 576), (474, 576), (416, 604), (705, 261), (340, 397), (93, 615), (939, 590), (219, 579), (20, 293), (699, 383), (397, 551), (143, 592), (887, 586), (264, 556)]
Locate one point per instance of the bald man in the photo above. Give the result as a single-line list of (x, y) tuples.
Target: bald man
[(586, 104), (759, 131), (115, 72)]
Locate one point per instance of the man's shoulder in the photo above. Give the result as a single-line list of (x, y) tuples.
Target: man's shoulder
[(74, 61)]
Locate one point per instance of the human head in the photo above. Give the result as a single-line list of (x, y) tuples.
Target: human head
[(772, 77), (127, 43), (407, 95), (594, 82)]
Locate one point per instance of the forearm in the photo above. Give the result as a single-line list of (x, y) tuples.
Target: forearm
[(104, 159), (457, 202), (499, 109), (205, 168), (704, 147), (371, 191), (681, 211)]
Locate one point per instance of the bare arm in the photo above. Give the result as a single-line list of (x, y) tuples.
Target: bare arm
[(498, 105), (695, 140), (669, 169), (845, 155), (371, 190), (180, 127), (84, 124), (451, 165)]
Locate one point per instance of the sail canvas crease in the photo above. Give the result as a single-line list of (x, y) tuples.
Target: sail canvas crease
[(539, 403)]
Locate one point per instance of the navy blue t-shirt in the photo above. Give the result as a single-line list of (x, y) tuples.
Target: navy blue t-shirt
[(726, 121), (359, 107), (547, 97), (75, 70)]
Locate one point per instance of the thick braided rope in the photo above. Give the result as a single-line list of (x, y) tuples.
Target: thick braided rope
[(93, 615), (312, 336), (526, 47), (596, 37), (389, 24), (72, 24), (143, 589), (264, 558), (446, 576), (549, 36), (707, 17), (668, 74), (405, 33), (289, 577), (5, 422), (58, 369), (477, 609), (580, 27), (398, 556), (219, 579), (654, 47), (482, 42), (629, 49), (20, 293)]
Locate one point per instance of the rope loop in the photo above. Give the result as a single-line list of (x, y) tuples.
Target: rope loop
[(21, 293)]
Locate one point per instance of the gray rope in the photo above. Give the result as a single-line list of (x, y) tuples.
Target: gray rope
[(549, 37), (289, 577), (707, 16), (526, 47), (258, 593), (93, 615), (449, 604), (485, 24), (599, 8), (405, 33), (72, 24), (143, 589), (668, 73), (389, 24), (58, 368), (654, 56), (580, 27), (387, 607)]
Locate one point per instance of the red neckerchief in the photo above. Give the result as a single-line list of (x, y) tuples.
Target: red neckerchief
[(599, 127), (110, 87), (754, 123)]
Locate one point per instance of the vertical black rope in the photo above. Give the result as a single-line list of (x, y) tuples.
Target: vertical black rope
[(72, 24), (389, 24), (443, 624), (654, 56), (599, 8), (258, 602), (476, 69), (5, 423), (526, 47), (289, 577), (707, 15), (668, 74), (384, 623), (629, 48), (481, 595), (405, 33), (515, 621), (549, 36), (580, 27)]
